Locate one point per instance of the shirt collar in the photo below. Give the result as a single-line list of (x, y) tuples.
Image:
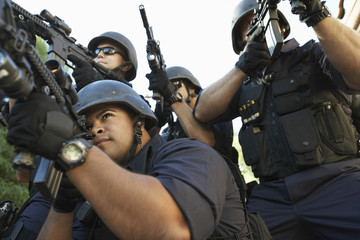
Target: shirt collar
[(140, 161), (289, 45)]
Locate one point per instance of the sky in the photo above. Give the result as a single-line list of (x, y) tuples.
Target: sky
[(195, 34)]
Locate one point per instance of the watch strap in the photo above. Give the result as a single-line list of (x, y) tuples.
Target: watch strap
[(175, 97), (317, 17)]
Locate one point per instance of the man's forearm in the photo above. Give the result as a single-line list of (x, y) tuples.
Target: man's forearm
[(342, 46), (192, 127), (57, 226), (215, 99)]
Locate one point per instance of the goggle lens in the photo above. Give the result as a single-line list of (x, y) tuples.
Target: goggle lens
[(106, 51)]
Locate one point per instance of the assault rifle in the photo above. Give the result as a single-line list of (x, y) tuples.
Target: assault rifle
[(57, 34), (154, 56), (267, 16), (22, 71)]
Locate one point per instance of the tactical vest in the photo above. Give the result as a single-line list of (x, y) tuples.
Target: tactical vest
[(294, 118)]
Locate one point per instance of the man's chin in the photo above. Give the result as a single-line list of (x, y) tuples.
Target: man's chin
[(114, 156), (114, 153)]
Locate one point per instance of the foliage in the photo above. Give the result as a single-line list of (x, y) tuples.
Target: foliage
[(42, 48), (10, 189), (245, 169)]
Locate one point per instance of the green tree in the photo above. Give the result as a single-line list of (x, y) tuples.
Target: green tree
[(245, 169), (42, 48), (10, 188)]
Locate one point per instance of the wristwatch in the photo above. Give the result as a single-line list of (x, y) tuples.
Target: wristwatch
[(175, 97), (73, 153)]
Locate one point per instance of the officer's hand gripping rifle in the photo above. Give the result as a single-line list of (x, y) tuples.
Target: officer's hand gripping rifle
[(154, 56), (267, 16)]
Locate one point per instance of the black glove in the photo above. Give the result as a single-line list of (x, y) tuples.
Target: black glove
[(159, 82), (310, 11), (38, 125), (255, 54), (162, 114), (67, 198), (84, 73)]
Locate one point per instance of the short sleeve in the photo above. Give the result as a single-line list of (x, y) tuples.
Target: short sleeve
[(195, 175)]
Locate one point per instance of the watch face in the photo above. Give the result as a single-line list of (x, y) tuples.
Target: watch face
[(179, 96), (175, 97), (72, 152)]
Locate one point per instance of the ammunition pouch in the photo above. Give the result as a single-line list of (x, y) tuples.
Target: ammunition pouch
[(289, 95), (303, 138), (252, 102), (256, 149), (339, 139)]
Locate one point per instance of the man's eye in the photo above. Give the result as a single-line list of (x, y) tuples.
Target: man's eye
[(106, 115)]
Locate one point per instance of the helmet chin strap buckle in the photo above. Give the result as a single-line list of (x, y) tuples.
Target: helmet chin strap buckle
[(138, 132), (121, 66), (137, 140)]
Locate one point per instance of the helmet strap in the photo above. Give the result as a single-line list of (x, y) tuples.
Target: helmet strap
[(136, 140), (193, 95), (121, 66)]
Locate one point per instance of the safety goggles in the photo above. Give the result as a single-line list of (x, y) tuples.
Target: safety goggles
[(106, 51)]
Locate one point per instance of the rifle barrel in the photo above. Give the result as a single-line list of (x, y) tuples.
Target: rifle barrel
[(145, 22)]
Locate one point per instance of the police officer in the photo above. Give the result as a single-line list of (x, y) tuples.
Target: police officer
[(140, 186), (297, 131), (187, 87), (112, 50)]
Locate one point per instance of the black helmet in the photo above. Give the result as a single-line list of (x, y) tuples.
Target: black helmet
[(111, 91), (240, 11), (124, 43), (177, 72)]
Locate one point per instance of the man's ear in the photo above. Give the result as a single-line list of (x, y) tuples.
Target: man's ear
[(191, 90), (127, 67), (143, 125)]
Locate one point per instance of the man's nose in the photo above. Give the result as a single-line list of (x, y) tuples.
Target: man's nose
[(101, 54), (96, 130)]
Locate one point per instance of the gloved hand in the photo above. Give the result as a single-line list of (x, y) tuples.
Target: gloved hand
[(159, 82), (164, 114), (67, 198), (39, 126), (255, 54), (310, 11), (84, 73)]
